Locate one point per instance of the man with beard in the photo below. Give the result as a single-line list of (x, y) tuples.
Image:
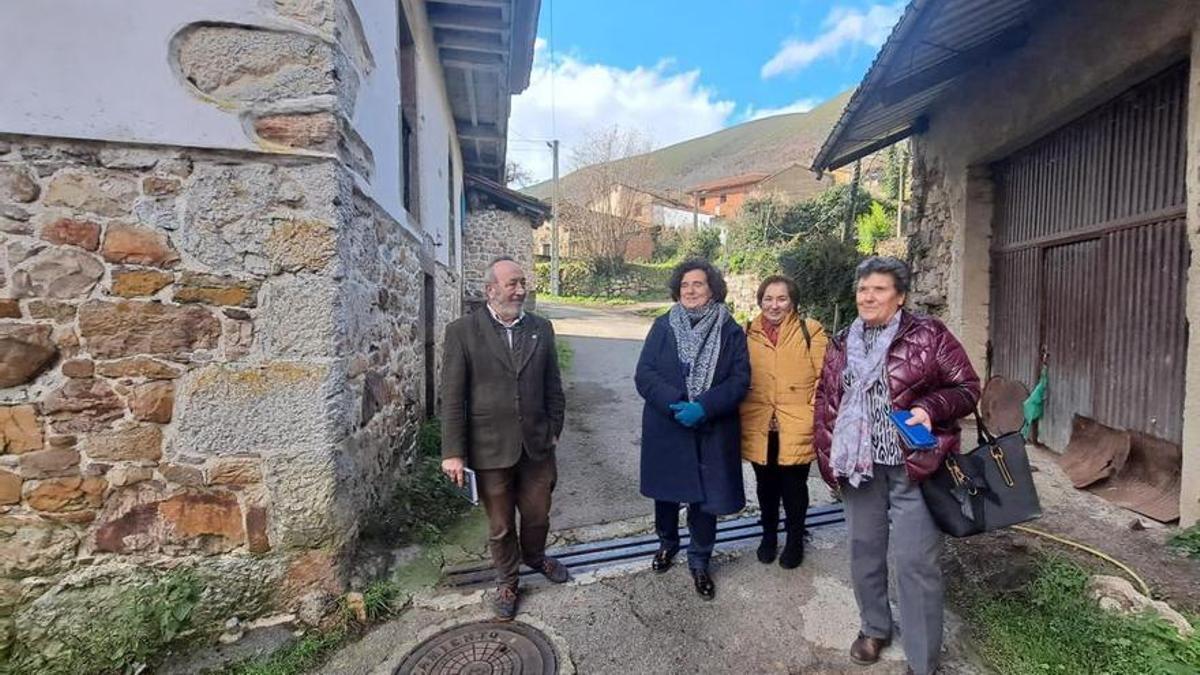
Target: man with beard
[(502, 413)]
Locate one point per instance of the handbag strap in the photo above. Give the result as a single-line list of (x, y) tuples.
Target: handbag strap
[(983, 436)]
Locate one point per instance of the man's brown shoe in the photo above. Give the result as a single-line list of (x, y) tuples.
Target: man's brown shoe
[(505, 603), (865, 649), (553, 570)]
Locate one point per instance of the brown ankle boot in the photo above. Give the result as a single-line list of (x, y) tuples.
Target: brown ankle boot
[(866, 649)]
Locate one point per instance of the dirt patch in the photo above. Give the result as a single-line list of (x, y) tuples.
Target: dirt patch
[(1001, 561)]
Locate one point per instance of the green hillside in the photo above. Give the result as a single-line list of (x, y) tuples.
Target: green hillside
[(764, 145)]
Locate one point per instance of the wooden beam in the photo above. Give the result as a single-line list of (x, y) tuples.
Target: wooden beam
[(496, 4), (469, 41), (957, 65), (472, 104), (466, 18), (482, 132)]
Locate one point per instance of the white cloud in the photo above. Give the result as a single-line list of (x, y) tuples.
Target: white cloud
[(843, 27), (801, 106), (571, 97)]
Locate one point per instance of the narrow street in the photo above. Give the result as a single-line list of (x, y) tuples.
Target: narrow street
[(598, 454)]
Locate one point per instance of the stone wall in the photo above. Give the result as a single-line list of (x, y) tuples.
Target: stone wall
[(743, 292), (488, 233), (205, 361)]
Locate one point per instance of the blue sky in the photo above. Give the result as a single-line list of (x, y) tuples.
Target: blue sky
[(669, 70)]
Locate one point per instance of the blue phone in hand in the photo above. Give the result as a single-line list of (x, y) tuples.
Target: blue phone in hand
[(914, 437)]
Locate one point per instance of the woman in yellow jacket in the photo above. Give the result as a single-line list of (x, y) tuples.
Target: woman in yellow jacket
[(786, 353)]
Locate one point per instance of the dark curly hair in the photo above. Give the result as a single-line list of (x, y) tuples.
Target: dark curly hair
[(793, 290), (716, 282)]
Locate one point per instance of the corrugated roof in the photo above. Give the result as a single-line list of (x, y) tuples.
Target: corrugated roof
[(933, 44)]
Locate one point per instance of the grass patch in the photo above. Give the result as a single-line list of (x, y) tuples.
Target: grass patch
[(142, 623), (652, 312), (423, 503), (1187, 542), (299, 657), (586, 300), (1051, 626), (565, 354)]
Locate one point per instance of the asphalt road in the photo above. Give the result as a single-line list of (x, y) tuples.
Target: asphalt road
[(599, 451)]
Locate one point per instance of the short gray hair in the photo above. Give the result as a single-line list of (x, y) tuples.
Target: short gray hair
[(489, 275), (885, 264)]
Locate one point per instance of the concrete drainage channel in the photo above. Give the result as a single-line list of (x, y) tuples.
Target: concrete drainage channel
[(591, 556)]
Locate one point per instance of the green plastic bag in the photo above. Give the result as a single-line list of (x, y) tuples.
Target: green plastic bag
[(1035, 405)]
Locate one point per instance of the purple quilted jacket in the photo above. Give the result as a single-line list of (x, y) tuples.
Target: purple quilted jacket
[(927, 368)]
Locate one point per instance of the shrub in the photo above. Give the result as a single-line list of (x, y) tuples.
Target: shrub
[(704, 243), (823, 268)]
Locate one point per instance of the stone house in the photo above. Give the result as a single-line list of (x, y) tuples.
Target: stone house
[(231, 239), (500, 222), (1056, 200)]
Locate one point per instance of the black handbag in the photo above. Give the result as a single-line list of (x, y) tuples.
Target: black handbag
[(985, 489)]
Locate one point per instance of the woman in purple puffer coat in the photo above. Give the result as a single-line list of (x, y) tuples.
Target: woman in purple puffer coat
[(889, 360)]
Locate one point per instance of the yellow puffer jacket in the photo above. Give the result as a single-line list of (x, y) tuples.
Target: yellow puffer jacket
[(783, 383)]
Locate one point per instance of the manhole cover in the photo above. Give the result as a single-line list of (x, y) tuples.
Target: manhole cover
[(483, 649)]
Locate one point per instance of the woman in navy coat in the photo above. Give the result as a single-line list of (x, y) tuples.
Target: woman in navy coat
[(693, 372)]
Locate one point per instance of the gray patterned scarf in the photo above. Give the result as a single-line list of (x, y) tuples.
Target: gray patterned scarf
[(852, 456), (699, 345)]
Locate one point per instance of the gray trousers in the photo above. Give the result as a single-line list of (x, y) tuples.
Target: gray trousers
[(916, 547)]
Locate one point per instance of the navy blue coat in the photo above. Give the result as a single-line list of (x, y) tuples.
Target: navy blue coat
[(701, 465)]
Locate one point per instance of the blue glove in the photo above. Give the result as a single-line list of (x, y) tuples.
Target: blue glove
[(689, 413)]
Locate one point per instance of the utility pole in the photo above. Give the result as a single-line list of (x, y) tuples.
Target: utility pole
[(554, 224)]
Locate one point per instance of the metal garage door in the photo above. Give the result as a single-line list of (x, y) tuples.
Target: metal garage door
[(1089, 264)]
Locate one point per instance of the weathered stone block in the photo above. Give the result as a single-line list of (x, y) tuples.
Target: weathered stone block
[(31, 546), (300, 245), (153, 401), (212, 515), (25, 351), (182, 474), (132, 283), (17, 184), (57, 273), (82, 406), (58, 312), (127, 474), (257, 540), (216, 290), (20, 431), (128, 158), (297, 320), (138, 246), (9, 309), (105, 193), (64, 494), (10, 488), (78, 368), (310, 131), (50, 463), (72, 232), (115, 330), (133, 442), (138, 366), (234, 471), (157, 186), (245, 64)]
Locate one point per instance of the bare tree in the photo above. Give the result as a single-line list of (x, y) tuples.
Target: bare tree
[(611, 167), (515, 174)]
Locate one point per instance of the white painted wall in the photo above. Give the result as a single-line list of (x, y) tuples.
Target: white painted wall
[(668, 216), (377, 121), (98, 69)]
